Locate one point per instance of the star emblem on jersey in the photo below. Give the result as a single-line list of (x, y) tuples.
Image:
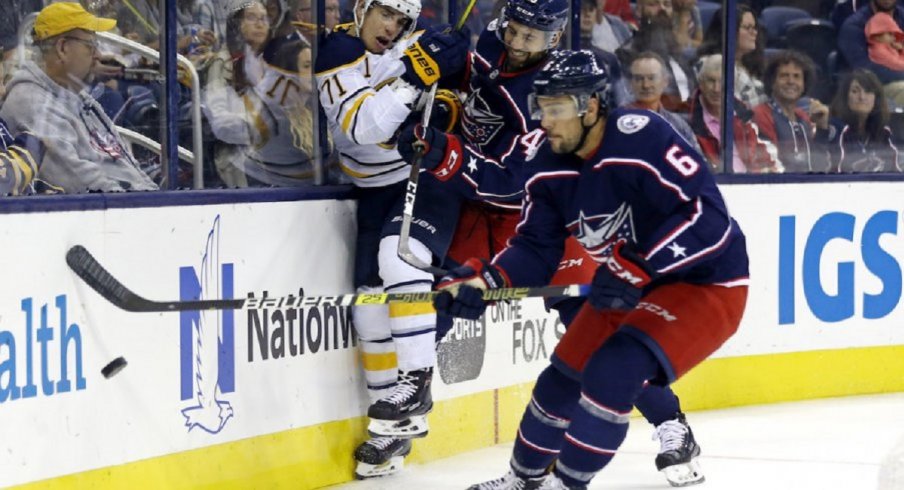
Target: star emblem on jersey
[(678, 250), (478, 122), (472, 165), (597, 233), (632, 123)]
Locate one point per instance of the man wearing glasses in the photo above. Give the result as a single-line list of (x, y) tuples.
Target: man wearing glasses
[(649, 78), (48, 97)]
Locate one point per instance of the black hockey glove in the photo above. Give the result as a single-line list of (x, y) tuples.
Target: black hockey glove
[(440, 51), (461, 290), (442, 151), (618, 283)]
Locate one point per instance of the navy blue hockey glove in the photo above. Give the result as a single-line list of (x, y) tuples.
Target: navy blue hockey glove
[(442, 151), (438, 52), (461, 290), (618, 283)]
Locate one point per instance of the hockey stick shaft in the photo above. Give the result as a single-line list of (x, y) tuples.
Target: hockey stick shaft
[(98, 278), (404, 250), (464, 15)]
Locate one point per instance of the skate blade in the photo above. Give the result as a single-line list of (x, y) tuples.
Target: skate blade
[(412, 428), (684, 475), (364, 470)]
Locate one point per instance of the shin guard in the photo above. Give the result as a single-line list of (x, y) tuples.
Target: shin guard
[(547, 416)]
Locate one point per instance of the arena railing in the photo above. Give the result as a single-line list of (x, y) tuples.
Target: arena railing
[(184, 63)]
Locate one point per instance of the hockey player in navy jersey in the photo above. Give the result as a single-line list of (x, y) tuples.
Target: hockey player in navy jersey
[(498, 141), (670, 288), (370, 76)]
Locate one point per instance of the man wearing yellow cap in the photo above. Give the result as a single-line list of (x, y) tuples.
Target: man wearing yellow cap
[(48, 97)]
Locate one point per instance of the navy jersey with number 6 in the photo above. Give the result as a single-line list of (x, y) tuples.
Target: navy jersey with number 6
[(643, 183)]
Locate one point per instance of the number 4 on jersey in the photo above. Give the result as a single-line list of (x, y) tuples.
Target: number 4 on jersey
[(531, 142)]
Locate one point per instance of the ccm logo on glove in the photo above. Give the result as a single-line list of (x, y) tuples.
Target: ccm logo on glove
[(634, 277), (449, 167)]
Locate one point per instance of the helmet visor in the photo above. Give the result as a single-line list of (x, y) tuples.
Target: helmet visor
[(556, 107)]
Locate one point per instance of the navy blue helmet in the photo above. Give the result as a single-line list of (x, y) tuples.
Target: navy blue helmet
[(576, 73), (545, 15)]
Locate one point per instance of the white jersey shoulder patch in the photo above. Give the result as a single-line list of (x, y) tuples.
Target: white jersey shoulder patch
[(632, 123)]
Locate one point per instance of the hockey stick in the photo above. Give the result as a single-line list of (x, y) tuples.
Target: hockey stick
[(95, 275), (404, 251)]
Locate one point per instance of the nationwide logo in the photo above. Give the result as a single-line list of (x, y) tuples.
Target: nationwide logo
[(207, 341), (299, 328), (276, 328)]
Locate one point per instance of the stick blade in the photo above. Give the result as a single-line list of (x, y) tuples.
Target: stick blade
[(89, 269), (99, 279)]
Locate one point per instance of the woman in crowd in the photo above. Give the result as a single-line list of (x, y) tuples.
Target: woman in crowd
[(300, 108), (862, 141), (749, 58), (248, 101)]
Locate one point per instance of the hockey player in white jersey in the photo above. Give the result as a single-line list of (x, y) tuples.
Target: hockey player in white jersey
[(370, 76)]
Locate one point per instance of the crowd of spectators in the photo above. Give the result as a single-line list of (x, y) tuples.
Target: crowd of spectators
[(64, 91), (780, 123), (67, 88)]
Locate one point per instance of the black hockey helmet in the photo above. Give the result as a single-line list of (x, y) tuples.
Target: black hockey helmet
[(576, 73)]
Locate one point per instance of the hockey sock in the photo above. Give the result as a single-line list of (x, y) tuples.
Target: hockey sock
[(544, 422), (413, 325), (378, 355), (657, 403), (612, 381)]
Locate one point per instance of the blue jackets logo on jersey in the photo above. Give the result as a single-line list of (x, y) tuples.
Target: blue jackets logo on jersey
[(597, 233), (479, 123)]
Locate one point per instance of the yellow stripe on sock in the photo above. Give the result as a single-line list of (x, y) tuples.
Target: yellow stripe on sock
[(397, 310), (379, 362)]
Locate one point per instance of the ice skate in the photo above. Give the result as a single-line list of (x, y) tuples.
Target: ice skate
[(381, 456), (552, 482), (403, 413), (677, 452), (511, 481)]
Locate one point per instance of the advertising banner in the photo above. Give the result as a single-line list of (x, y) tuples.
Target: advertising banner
[(825, 274)]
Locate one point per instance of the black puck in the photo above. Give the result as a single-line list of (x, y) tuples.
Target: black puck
[(113, 367)]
